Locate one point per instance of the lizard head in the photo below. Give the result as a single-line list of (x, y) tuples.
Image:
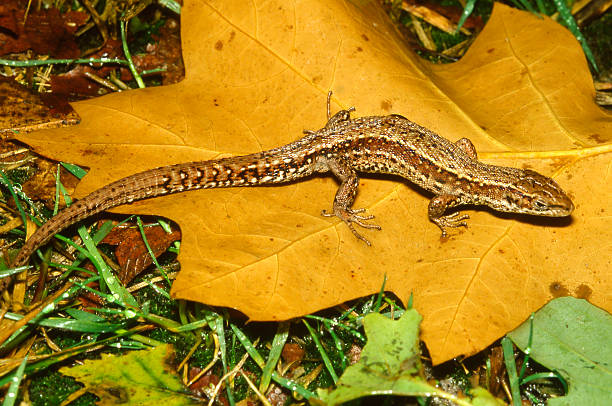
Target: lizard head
[(538, 195)]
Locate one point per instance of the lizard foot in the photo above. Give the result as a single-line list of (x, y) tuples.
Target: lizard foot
[(453, 220), (350, 216)]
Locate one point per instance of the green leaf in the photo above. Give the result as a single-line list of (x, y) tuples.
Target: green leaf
[(138, 378), (390, 365), (484, 398), (573, 337)]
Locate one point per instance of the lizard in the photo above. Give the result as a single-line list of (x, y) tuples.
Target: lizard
[(345, 146)]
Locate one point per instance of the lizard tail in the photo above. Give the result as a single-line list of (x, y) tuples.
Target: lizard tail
[(111, 195), (250, 170)]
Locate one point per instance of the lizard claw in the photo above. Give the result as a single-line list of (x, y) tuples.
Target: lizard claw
[(453, 220), (350, 216)]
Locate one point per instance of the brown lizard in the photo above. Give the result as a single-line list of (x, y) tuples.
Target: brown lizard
[(345, 146)]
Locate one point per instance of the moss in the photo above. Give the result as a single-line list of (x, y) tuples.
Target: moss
[(599, 37), (53, 388), (158, 304)]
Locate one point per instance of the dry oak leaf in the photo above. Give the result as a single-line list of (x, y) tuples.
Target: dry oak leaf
[(257, 75)]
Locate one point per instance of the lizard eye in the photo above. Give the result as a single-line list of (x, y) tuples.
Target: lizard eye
[(540, 205)]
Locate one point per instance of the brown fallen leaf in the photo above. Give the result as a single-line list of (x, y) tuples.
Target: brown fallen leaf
[(255, 78), (45, 32), (132, 254), (292, 353), (42, 185), (22, 110), (165, 54), (202, 386)]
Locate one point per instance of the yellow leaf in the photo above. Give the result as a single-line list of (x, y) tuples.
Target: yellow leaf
[(257, 74)]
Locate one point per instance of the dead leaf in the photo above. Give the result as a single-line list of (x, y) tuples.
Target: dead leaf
[(293, 352), (452, 12), (256, 77), (444, 18), (42, 185), (22, 110), (203, 384), (46, 31), (132, 254), (165, 54)]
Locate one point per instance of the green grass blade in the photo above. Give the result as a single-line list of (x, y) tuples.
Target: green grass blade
[(467, 11), (527, 350), (57, 184), (150, 251), (11, 394), (380, 295), (337, 344), (7, 182), (336, 323), (280, 338), (78, 314), (128, 55), (72, 324), (527, 6), (541, 375), (255, 356), (41, 62), (45, 310), (171, 5), (74, 169), (508, 351), (12, 271), (193, 325), (120, 293), (322, 352), (218, 327), (541, 7), (65, 354)]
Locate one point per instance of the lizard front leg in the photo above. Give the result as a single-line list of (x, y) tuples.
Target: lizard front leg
[(438, 206), (345, 196)]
